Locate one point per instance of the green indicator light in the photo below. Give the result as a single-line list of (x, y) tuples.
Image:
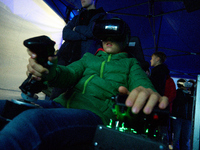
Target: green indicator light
[(120, 129), (110, 124), (134, 131), (147, 130), (124, 114)]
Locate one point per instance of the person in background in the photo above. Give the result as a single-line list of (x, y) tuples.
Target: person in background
[(170, 93), (158, 76), (182, 111), (159, 72), (78, 37)]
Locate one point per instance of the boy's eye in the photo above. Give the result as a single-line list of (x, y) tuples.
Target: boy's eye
[(112, 39)]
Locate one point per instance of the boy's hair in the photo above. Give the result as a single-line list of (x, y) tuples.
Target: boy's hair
[(161, 55)]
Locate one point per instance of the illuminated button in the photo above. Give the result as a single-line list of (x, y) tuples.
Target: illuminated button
[(155, 117)]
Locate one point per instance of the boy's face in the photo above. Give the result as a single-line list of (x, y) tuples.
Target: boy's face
[(111, 46), (86, 3), (154, 60)]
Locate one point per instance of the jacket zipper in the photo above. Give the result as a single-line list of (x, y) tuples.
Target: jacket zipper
[(103, 65), (86, 82), (101, 73)]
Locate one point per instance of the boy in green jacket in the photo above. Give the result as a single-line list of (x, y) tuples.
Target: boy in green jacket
[(72, 120)]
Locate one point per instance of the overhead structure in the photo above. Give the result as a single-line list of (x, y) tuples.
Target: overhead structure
[(170, 26)]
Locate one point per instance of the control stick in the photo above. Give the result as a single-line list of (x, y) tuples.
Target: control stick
[(43, 47)]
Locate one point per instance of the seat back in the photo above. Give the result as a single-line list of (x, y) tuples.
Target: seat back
[(134, 50)]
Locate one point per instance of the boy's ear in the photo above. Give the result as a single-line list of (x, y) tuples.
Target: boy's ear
[(158, 59)]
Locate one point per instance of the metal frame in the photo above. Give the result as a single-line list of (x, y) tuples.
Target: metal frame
[(196, 119)]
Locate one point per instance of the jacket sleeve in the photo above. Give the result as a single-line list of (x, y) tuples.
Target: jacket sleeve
[(158, 78), (138, 77), (69, 34), (68, 75)]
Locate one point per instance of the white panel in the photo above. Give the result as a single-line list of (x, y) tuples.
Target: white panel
[(20, 20)]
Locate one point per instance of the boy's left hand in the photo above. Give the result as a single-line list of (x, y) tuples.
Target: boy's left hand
[(141, 96)]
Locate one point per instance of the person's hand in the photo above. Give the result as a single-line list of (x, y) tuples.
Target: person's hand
[(142, 97), (37, 70)]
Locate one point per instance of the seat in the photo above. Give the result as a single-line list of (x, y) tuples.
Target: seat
[(134, 50)]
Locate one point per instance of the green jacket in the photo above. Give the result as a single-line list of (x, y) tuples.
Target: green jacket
[(98, 78)]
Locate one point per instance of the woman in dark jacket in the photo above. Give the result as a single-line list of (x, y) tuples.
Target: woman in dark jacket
[(182, 111)]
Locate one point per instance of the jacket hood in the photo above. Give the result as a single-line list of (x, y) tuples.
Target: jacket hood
[(100, 49)]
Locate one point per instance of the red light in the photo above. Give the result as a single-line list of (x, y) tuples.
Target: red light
[(155, 117)]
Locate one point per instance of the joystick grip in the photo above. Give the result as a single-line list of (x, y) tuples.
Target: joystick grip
[(42, 46)]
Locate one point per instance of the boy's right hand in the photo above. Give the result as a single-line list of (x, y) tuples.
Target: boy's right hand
[(143, 97), (38, 71)]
